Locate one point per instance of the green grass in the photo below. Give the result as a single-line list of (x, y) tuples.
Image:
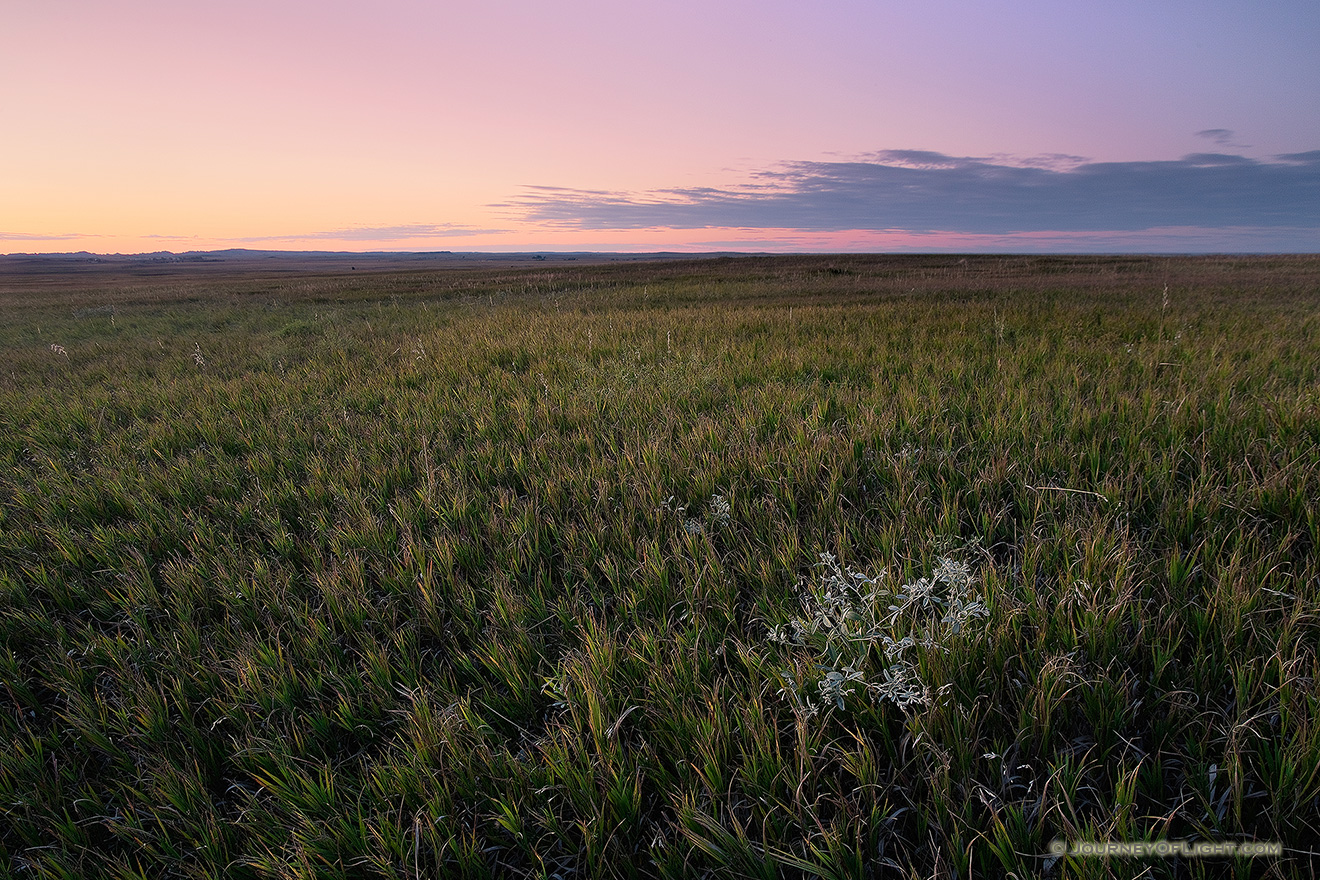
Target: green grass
[(419, 573)]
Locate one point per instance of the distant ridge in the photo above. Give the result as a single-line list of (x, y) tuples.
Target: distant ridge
[(250, 254), (167, 263)]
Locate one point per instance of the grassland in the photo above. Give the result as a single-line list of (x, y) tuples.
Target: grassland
[(844, 567)]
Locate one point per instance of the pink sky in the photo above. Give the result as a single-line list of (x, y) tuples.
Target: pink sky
[(404, 125)]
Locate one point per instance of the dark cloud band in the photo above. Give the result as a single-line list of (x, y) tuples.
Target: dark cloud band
[(924, 191)]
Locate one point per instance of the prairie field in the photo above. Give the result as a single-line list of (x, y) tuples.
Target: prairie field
[(850, 566)]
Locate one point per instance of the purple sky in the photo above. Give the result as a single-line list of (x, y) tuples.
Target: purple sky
[(838, 125)]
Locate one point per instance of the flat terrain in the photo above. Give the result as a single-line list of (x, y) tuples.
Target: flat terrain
[(762, 566)]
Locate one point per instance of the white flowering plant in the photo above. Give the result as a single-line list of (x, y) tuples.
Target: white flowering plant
[(718, 515), (851, 624)]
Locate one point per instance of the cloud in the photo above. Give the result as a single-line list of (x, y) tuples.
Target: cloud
[(377, 233), (1309, 158), (1222, 137), (1174, 240), (40, 236), (918, 190)]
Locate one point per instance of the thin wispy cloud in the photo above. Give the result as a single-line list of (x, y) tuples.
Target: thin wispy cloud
[(403, 232), (919, 191), (40, 236), (1222, 138)]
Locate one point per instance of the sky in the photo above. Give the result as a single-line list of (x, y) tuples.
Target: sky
[(130, 126)]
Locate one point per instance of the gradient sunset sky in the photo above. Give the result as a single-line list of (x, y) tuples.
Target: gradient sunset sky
[(836, 125)]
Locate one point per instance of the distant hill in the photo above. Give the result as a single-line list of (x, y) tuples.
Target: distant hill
[(246, 254), (301, 261)]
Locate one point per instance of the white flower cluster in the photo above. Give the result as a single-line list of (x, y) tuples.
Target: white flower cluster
[(720, 513), (841, 606), (847, 612)]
